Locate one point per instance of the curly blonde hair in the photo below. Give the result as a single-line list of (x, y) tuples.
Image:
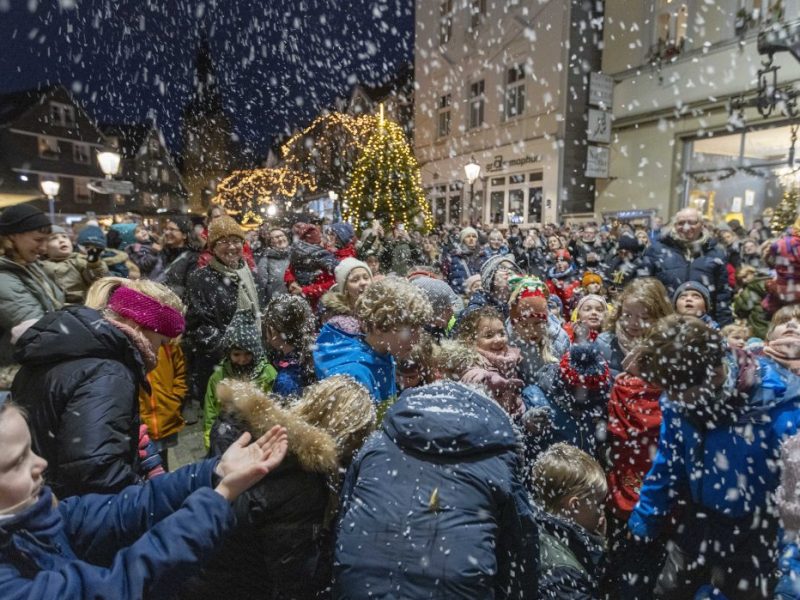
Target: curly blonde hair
[(342, 407), (650, 293), (452, 359), (391, 303), (101, 290), (564, 471)]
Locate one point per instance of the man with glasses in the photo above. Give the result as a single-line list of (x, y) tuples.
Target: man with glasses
[(686, 252)]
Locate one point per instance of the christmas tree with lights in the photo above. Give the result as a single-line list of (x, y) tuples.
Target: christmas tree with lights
[(386, 182), (785, 213)]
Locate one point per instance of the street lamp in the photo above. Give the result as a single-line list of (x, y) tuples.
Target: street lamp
[(109, 162), (50, 189), (472, 170)]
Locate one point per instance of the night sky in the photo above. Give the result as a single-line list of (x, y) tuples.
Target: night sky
[(278, 61)]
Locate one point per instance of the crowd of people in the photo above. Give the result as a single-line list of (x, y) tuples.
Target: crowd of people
[(576, 411)]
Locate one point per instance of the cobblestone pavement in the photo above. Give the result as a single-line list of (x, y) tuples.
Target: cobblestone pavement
[(189, 448)]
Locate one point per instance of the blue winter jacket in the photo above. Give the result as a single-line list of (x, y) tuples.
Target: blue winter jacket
[(340, 353), (433, 507), (460, 265), (666, 261), (731, 469), (144, 542), (788, 587)]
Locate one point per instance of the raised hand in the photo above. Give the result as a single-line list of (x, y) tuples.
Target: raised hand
[(244, 464)]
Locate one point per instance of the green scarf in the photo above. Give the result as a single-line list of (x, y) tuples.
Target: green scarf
[(247, 298)]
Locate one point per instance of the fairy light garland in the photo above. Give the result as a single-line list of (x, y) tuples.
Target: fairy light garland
[(243, 189)]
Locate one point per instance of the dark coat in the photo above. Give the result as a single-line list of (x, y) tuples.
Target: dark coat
[(142, 543), (433, 505), (666, 260), (572, 561), (532, 261), (211, 303), (459, 265), (482, 298), (80, 382), (175, 267), (271, 264)]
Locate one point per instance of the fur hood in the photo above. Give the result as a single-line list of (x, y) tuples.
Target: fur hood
[(314, 448), (335, 304)]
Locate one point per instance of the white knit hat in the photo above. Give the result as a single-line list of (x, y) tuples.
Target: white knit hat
[(344, 268), (466, 231)]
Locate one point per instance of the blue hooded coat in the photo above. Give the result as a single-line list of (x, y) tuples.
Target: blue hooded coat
[(433, 506), (144, 542), (340, 353)]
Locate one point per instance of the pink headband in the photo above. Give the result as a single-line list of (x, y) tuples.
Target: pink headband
[(147, 312)]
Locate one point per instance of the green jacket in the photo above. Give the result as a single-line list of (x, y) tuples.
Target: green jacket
[(747, 306), (26, 293), (74, 275), (263, 376)]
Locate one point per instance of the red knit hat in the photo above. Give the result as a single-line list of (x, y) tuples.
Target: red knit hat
[(308, 233), (147, 312)]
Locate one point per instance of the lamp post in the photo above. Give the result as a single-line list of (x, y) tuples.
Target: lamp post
[(109, 162), (472, 170), (50, 188)]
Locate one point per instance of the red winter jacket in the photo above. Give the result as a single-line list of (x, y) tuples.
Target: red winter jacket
[(634, 420)]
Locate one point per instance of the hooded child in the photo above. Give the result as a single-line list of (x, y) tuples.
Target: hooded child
[(72, 271)]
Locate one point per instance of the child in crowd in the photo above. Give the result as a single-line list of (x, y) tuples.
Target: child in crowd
[(736, 335), (288, 327), (574, 396), (311, 266), (471, 285), (498, 369), (692, 299), (144, 252), (571, 487), (244, 360), (452, 359), (723, 417), (373, 261), (146, 540), (641, 304), (591, 283), (562, 281), (420, 367), (92, 239), (784, 256), (338, 303), (587, 319), (73, 272), (747, 302), (160, 407)]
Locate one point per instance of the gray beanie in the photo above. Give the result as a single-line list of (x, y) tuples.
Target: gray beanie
[(694, 286), (439, 294), (491, 266), (58, 229)]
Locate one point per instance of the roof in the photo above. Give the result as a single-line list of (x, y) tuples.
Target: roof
[(131, 136), (15, 104)]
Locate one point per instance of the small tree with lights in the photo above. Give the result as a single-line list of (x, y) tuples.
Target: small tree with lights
[(785, 213), (386, 182)]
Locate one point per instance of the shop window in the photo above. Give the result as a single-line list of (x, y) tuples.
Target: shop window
[(445, 21), (497, 207), (48, 148), (443, 116), (515, 91), (535, 205), (439, 204), (516, 205), (81, 154), (477, 100)]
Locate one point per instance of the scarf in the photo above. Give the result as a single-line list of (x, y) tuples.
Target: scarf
[(626, 342), (785, 351), (247, 297), (691, 249), (139, 342), (506, 362)]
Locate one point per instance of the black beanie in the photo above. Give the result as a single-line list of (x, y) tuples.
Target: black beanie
[(21, 218), (183, 223)]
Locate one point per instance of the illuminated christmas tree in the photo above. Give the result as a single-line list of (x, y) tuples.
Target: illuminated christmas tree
[(786, 212), (386, 182)]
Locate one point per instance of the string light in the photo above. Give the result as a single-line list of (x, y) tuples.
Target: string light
[(241, 190)]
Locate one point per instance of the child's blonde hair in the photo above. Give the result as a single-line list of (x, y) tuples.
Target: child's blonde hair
[(391, 303), (650, 293), (731, 329), (101, 290), (453, 358), (468, 325), (564, 471), (783, 315), (342, 407), (745, 272)]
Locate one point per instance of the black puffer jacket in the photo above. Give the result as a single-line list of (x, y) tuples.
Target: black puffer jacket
[(667, 260), (80, 382), (211, 300)]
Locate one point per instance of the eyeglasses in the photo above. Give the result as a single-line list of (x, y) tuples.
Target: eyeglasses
[(232, 241)]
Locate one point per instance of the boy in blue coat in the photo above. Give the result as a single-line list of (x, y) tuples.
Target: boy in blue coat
[(144, 542), (723, 420), (392, 312)]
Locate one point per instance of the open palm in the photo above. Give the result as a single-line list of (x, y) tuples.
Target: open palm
[(244, 464)]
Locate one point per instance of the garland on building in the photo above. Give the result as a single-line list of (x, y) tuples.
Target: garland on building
[(249, 191), (386, 182), (785, 213)]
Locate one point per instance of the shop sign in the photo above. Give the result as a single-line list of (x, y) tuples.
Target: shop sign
[(599, 126), (499, 164), (597, 162), (601, 90)]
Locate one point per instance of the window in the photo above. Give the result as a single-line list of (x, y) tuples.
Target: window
[(445, 21), (81, 154), (164, 175), (672, 19), (153, 174), (515, 91), (454, 212), (443, 117), (477, 100), (82, 193), (477, 10), (48, 148), (535, 205), (497, 207), (62, 115)]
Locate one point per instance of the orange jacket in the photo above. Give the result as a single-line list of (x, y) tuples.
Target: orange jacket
[(161, 409)]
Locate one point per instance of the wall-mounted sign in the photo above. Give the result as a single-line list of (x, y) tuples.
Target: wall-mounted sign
[(597, 162), (599, 129), (498, 164), (601, 90)]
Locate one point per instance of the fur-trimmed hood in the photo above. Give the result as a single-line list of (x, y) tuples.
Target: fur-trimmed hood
[(314, 448), (334, 304)]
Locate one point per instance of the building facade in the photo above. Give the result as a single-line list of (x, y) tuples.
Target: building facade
[(45, 134), (687, 129), (146, 162), (503, 83)]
